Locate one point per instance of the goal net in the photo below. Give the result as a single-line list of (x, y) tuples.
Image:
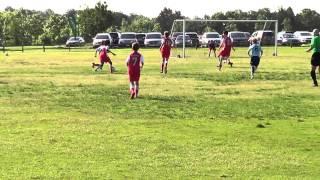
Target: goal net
[(191, 38)]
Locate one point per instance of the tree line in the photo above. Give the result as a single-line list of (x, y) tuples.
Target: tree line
[(30, 27)]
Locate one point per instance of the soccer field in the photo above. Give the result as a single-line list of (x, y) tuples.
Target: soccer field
[(60, 119)]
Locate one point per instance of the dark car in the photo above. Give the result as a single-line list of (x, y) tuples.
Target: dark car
[(266, 37), (238, 38), (175, 35), (141, 37), (179, 41), (115, 37), (194, 38)]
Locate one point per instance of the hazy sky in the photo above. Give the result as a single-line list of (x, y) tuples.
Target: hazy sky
[(152, 8)]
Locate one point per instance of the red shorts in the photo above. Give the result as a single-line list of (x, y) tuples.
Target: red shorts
[(134, 77), (105, 59), (134, 74), (165, 55), (224, 54)]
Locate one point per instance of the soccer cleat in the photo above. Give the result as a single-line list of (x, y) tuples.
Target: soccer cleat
[(132, 95), (230, 63), (92, 65), (315, 85)]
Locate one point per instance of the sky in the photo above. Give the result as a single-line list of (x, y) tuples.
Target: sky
[(152, 8)]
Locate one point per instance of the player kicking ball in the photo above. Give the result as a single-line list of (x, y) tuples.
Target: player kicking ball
[(255, 52), (135, 62), (103, 50), (165, 50), (225, 50)]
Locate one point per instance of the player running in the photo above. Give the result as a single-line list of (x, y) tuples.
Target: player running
[(135, 62), (103, 50), (225, 50), (315, 59), (256, 53), (165, 50)]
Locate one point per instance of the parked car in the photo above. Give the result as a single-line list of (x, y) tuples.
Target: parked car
[(285, 38), (238, 38), (194, 38), (127, 38), (247, 34), (97, 40), (75, 41), (208, 36), (115, 37), (153, 39), (265, 37), (175, 35), (303, 36), (141, 37), (179, 41)]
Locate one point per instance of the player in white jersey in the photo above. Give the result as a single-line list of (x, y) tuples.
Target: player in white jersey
[(255, 52)]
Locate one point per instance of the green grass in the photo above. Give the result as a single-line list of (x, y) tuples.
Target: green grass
[(60, 119)]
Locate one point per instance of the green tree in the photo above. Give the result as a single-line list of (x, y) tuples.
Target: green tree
[(308, 19), (56, 30), (287, 24), (166, 18)]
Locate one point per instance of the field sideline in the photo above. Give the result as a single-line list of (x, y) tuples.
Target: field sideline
[(60, 119)]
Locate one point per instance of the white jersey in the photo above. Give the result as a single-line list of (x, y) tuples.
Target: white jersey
[(103, 47), (255, 50), (141, 59)]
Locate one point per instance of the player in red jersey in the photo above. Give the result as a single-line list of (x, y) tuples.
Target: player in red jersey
[(225, 49), (165, 50), (103, 50), (135, 62)]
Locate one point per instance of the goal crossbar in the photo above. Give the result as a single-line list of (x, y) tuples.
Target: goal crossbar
[(226, 20)]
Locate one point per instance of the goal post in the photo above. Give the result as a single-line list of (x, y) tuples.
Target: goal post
[(184, 21)]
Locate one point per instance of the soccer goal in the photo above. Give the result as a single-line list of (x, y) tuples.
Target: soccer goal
[(181, 29)]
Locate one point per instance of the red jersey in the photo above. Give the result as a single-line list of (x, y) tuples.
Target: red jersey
[(166, 45), (103, 52), (226, 46), (133, 62)]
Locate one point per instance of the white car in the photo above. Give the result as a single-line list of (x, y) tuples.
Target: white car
[(73, 41), (127, 38), (153, 39), (304, 36), (210, 36), (285, 38), (97, 40)]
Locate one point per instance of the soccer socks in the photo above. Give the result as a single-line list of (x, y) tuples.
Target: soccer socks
[(132, 93), (314, 77), (162, 65)]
